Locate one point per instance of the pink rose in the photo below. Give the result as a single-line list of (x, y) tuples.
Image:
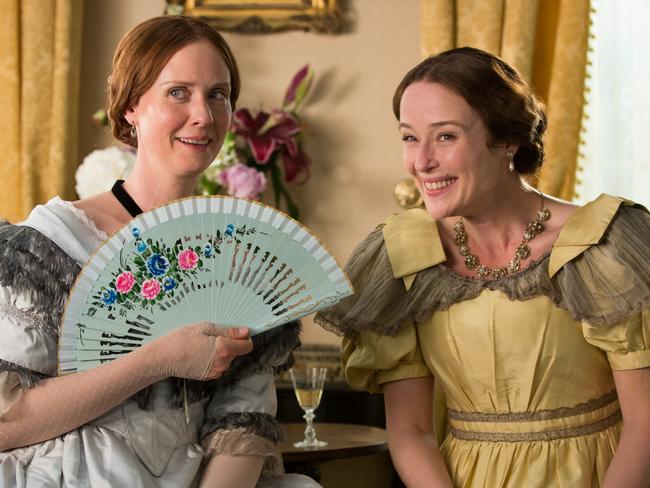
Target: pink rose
[(187, 259), (124, 282), (243, 181), (150, 289)]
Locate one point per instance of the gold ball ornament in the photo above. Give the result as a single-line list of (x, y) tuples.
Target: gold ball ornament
[(407, 195)]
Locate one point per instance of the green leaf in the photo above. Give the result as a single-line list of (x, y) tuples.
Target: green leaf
[(291, 206), (276, 180), (282, 193)]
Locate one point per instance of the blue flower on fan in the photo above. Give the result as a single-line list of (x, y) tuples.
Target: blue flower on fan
[(230, 230), (169, 283), (207, 250), (157, 264), (140, 246), (136, 232), (108, 296)]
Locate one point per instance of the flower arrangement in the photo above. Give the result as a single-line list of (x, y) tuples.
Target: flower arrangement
[(262, 147), (155, 269)]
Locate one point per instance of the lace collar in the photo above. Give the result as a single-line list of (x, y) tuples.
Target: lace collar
[(413, 242)]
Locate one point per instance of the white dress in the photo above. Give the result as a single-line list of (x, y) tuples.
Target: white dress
[(127, 446)]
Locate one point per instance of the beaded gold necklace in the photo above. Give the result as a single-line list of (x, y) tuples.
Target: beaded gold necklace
[(522, 252)]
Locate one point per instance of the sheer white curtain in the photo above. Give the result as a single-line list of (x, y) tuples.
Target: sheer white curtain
[(615, 154)]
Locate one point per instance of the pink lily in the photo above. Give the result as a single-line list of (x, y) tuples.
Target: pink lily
[(296, 167), (266, 132)]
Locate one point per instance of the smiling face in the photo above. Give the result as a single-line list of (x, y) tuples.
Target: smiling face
[(182, 119), (447, 151)]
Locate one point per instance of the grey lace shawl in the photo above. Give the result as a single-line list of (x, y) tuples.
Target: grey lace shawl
[(606, 284)]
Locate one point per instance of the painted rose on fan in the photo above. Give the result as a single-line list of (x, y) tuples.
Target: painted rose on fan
[(187, 259), (157, 265), (156, 269), (243, 181), (150, 289), (124, 282)]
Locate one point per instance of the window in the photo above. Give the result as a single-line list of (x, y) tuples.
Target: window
[(615, 153)]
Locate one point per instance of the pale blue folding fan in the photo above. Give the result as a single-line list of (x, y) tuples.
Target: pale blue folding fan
[(220, 259)]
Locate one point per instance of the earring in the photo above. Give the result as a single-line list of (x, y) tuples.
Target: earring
[(511, 161), (132, 132)]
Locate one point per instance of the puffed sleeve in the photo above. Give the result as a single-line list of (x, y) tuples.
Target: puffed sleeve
[(626, 343), (607, 287), (28, 347), (240, 417), (380, 342), (35, 278), (371, 359)]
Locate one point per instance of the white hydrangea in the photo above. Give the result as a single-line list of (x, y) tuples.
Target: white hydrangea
[(225, 159), (100, 169)]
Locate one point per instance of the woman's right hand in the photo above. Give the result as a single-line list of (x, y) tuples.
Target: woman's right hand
[(200, 351)]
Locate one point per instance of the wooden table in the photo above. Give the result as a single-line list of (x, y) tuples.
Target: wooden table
[(343, 441)]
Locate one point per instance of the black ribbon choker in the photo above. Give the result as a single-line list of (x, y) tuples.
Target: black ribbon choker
[(125, 199)]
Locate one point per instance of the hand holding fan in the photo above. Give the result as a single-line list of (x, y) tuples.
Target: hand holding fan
[(224, 260)]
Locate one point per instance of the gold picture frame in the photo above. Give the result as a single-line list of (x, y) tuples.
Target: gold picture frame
[(262, 16)]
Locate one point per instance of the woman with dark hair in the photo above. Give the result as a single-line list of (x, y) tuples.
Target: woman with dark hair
[(192, 408), (532, 314)]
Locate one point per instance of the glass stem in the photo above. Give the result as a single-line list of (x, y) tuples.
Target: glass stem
[(310, 432)]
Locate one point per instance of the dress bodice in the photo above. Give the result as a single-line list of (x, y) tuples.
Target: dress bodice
[(525, 362)]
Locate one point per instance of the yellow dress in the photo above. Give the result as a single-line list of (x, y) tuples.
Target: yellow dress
[(525, 362)]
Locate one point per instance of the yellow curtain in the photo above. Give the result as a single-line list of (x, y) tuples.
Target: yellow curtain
[(547, 42), (40, 52)]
